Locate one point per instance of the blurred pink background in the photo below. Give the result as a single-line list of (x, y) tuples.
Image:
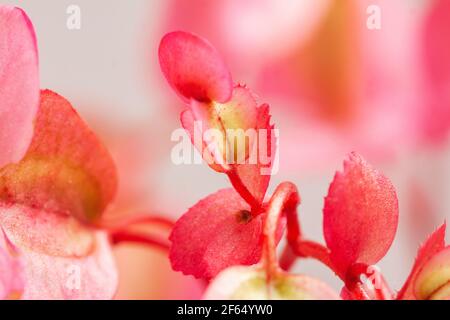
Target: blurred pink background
[(334, 86)]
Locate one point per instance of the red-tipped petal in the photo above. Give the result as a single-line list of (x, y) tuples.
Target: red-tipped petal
[(65, 170), (360, 215), (218, 232), (19, 83), (11, 269), (434, 244), (194, 68)]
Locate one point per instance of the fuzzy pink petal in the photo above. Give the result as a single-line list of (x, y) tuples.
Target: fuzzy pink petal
[(62, 259), (194, 68), (65, 170), (57, 277), (11, 269), (214, 234), (434, 244), (360, 215), (19, 83)]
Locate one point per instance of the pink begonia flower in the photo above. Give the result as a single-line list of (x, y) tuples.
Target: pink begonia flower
[(51, 203), (52, 197), (19, 83), (224, 229), (233, 227), (234, 26), (214, 103)]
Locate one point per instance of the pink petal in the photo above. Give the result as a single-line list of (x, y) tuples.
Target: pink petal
[(11, 267), (66, 169), (19, 83), (434, 244), (253, 160), (239, 113), (194, 68), (62, 259), (256, 176), (216, 233), (250, 283), (360, 215)]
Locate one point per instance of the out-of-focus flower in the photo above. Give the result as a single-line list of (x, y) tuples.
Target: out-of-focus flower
[(351, 87), (53, 196), (436, 111), (235, 26), (19, 83)]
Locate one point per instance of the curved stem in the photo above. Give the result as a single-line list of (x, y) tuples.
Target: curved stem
[(148, 240), (311, 249), (284, 200), (141, 219)]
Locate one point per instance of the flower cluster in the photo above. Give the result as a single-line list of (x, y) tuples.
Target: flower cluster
[(57, 181), (232, 236)]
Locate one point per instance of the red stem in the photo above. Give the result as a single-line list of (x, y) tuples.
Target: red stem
[(141, 219), (287, 258), (284, 200), (311, 249), (123, 236)]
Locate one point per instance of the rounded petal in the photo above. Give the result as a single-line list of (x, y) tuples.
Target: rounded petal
[(194, 69), (360, 215), (218, 232), (19, 83), (66, 169), (250, 283)]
